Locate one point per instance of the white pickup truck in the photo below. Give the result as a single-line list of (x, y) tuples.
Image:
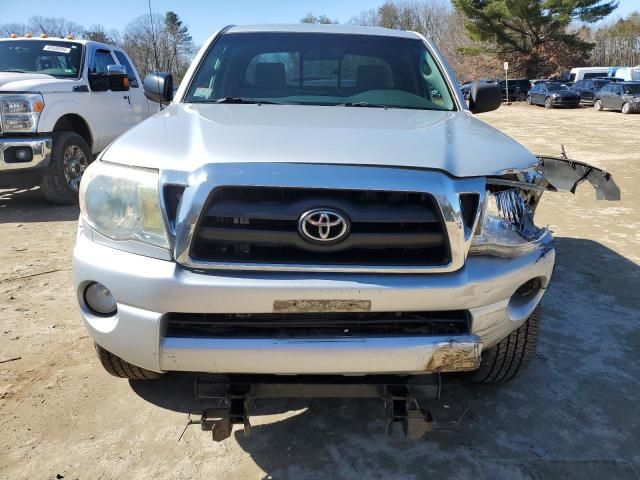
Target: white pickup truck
[(62, 101)]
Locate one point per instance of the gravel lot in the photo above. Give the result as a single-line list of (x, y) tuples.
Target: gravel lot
[(574, 414)]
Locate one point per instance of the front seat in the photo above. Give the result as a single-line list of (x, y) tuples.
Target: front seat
[(372, 77), (270, 79)]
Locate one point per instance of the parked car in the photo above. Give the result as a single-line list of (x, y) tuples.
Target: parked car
[(553, 94), (62, 102), (321, 232), (622, 96), (588, 88), (518, 89), (466, 87)]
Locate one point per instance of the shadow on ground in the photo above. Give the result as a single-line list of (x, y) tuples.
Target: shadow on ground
[(28, 205), (573, 414)]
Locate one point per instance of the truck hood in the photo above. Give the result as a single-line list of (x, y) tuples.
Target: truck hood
[(33, 82), (187, 136)]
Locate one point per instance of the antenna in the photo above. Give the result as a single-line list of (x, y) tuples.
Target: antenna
[(155, 48)]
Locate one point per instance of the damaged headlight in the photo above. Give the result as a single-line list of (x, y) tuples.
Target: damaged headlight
[(506, 228), (123, 203)]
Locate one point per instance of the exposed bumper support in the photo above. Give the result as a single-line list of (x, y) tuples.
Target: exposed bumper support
[(408, 400)]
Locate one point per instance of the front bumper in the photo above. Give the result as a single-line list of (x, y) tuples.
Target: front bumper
[(40, 148), (146, 289), (566, 101)]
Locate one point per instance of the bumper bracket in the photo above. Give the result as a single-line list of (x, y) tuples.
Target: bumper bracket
[(410, 401)]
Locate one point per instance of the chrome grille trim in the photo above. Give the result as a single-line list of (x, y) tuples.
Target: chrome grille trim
[(445, 189)]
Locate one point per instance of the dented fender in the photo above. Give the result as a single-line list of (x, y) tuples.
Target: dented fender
[(557, 174)]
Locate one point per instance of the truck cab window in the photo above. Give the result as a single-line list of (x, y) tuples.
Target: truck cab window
[(101, 60), (122, 58)]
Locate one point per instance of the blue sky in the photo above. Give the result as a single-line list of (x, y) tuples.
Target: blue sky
[(203, 17)]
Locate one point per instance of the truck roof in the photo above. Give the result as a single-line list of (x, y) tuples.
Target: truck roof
[(320, 28), (58, 39)]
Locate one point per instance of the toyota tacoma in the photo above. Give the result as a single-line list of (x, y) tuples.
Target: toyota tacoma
[(318, 202)]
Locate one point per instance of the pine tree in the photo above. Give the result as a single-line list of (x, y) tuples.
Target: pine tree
[(532, 34)]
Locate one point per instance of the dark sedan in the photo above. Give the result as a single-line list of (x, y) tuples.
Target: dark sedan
[(588, 88), (622, 96), (553, 94), (466, 87)]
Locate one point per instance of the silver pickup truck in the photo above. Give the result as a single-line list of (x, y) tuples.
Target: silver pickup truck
[(317, 201)]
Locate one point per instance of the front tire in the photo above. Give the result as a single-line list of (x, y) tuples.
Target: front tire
[(548, 103), (70, 156), (626, 108), (502, 362), (119, 368), (597, 105)]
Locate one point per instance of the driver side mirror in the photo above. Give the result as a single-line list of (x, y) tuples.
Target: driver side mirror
[(158, 87), (115, 79), (484, 97)]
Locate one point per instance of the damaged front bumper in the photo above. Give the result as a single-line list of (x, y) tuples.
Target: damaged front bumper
[(560, 174), (486, 287)]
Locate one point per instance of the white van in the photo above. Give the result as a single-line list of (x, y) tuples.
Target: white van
[(631, 74), (583, 73)]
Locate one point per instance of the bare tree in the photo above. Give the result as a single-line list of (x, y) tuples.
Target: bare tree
[(439, 23), (7, 29), (54, 26), (323, 19), (153, 43)]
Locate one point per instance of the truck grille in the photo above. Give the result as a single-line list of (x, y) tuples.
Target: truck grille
[(296, 325), (260, 225)]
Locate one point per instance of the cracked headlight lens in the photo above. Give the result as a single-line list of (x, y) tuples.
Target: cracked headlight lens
[(506, 228), (123, 203)]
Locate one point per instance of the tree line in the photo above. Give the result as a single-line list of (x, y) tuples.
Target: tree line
[(539, 38)]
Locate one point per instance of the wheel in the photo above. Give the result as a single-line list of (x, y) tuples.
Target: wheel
[(597, 105), (548, 103), (70, 156), (626, 108), (529, 99), (521, 96), (504, 361), (119, 368)]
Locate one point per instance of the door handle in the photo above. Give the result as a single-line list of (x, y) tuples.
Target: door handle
[(128, 99)]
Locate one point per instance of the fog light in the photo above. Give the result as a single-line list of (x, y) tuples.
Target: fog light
[(23, 154), (100, 300)]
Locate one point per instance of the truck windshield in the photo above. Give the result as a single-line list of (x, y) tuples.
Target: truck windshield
[(59, 59), (321, 69)]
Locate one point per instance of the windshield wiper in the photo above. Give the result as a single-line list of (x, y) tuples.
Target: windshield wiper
[(379, 105), (362, 104), (243, 100), (14, 71)]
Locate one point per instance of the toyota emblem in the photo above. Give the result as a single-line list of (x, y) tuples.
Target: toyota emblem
[(323, 225)]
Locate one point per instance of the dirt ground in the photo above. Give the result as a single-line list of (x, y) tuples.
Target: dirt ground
[(574, 414)]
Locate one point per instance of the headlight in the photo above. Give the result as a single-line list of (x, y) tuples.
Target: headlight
[(506, 228), (123, 203), (20, 113)]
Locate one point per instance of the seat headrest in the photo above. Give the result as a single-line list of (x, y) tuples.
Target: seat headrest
[(270, 75), (372, 77)]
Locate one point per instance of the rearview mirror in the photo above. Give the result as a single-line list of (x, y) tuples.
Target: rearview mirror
[(484, 97), (158, 87)]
